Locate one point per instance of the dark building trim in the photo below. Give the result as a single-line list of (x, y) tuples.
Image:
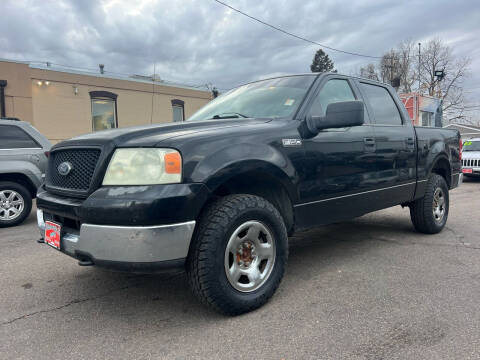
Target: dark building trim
[(103, 94), (3, 110), (177, 102)]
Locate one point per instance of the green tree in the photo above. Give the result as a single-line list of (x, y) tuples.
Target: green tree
[(321, 62)]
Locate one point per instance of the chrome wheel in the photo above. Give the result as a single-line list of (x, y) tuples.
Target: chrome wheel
[(438, 205), (249, 256), (11, 205)]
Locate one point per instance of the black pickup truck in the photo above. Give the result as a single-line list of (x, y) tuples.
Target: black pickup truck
[(220, 193)]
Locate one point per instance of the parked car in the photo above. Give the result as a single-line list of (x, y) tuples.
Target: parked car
[(23, 160), (220, 192), (471, 157)]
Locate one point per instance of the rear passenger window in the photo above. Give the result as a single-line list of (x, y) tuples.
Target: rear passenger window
[(12, 137), (335, 90), (384, 109)]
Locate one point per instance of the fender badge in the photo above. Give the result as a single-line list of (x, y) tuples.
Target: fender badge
[(292, 142)]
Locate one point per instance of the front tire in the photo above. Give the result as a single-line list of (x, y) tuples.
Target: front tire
[(15, 203), (238, 255), (429, 214)]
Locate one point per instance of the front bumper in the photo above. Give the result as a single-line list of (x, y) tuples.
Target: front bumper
[(148, 205), (127, 248), (130, 228)]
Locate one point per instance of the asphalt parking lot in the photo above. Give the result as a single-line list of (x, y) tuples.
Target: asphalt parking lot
[(370, 288)]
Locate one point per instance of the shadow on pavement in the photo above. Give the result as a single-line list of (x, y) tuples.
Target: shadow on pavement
[(166, 297)]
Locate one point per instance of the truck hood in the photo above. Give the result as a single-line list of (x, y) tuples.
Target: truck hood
[(150, 135), (470, 155)]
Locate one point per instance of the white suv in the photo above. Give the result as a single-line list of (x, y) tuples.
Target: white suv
[(471, 157)]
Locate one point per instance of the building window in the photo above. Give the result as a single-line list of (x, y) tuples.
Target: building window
[(426, 118), (104, 110), (177, 108)]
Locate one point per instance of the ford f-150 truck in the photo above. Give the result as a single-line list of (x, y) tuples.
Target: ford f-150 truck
[(220, 193)]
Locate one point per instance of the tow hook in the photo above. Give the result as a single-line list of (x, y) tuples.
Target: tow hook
[(85, 262)]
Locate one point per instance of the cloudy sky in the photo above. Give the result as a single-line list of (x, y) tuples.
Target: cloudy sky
[(201, 41)]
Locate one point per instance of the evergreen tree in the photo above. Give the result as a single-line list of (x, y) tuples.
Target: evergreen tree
[(321, 62)]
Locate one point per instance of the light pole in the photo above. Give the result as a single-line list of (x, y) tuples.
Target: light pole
[(419, 65)]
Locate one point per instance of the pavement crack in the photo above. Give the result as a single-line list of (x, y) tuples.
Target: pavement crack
[(459, 238), (78, 301), (74, 301), (391, 241)]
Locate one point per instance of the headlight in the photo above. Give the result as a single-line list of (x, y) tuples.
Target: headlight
[(144, 166)]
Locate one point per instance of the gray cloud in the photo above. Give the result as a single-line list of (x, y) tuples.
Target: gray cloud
[(200, 41)]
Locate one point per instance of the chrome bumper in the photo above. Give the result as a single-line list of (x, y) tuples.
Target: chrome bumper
[(457, 180), (128, 244)]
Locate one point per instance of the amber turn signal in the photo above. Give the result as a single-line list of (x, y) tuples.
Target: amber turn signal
[(173, 163)]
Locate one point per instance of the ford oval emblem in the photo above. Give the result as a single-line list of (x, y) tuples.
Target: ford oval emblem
[(64, 168)]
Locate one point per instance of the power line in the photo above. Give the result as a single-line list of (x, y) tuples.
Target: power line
[(294, 35)]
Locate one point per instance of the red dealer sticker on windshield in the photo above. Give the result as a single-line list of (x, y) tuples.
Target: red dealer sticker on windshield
[(52, 234)]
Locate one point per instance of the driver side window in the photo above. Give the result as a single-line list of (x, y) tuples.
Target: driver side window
[(335, 90)]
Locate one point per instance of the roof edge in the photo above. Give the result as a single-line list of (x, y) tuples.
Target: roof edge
[(107, 75)]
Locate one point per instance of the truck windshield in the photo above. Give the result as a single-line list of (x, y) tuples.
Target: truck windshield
[(271, 98), (471, 146)]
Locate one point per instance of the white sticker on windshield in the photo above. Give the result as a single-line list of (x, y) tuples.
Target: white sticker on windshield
[(289, 102)]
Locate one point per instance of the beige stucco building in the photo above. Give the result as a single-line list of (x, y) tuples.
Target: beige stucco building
[(62, 103)]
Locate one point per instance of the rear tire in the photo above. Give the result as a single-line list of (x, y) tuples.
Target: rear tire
[(238, 254), (15, 203), (429, 214)]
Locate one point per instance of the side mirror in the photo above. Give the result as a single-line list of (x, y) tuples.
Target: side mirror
[(338, 115)]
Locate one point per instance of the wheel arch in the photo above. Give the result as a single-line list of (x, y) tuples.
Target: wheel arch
[(21, 179), (256, 178), (441, 166)]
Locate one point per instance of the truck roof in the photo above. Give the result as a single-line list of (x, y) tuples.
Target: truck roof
[(317, 74)]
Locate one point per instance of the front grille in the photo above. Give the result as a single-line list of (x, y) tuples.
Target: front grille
[(83, 163), (471, 162)]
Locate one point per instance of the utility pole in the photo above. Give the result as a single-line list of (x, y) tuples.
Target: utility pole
[(391, 68), (419, 65), (153, 92)]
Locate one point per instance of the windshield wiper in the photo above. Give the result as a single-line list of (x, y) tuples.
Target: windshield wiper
[(229, 115)]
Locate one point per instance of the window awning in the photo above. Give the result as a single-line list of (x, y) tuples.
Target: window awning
[(430, 104)]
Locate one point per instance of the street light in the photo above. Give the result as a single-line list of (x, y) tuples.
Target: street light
[(439, 74)]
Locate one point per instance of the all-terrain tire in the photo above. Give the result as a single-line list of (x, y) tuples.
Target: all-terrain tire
[(206, 260), (422, 210), (7, 187)]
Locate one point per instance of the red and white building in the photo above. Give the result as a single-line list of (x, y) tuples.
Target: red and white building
[(423, 110)]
